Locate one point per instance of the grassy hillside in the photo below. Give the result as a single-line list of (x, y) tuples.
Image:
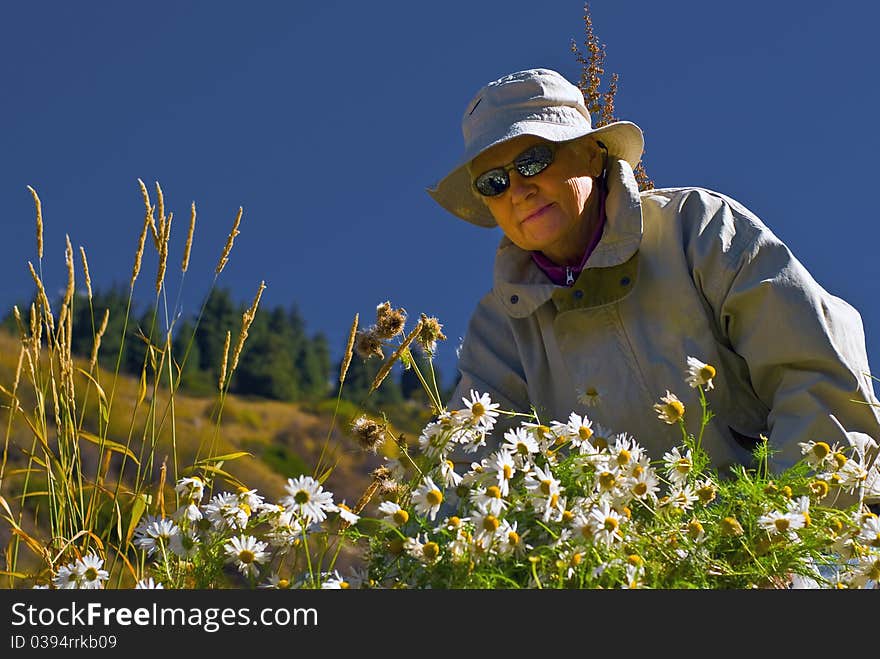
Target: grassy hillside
[(279, 440)]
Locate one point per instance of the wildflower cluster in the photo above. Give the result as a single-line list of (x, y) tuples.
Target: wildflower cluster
[(205, 543), (570, 504)]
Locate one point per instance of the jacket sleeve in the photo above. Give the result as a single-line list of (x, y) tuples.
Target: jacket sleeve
[(804, 348), (489, 362)]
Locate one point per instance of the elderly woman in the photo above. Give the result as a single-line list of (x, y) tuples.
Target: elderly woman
[(607, 300)]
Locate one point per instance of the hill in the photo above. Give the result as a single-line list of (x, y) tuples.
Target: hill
[(271, 441)]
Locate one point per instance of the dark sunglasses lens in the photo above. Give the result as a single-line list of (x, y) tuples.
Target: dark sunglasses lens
[(492, 183), (534, 160)]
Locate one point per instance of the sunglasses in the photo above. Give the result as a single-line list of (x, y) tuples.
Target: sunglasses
[(530, 162)]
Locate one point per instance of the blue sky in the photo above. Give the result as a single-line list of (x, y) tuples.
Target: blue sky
[(326, 122)]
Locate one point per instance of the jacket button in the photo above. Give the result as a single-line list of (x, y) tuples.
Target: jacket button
[(578, 294), (624, 281), (514, 299)]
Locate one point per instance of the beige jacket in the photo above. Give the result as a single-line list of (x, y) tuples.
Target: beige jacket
[(678, 272)]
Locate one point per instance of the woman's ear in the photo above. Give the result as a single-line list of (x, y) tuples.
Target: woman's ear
[(588, 152)]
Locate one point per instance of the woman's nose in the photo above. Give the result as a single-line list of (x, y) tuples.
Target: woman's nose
[(521, 187)]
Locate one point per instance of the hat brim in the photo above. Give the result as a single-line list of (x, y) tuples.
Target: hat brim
[(455, 191)]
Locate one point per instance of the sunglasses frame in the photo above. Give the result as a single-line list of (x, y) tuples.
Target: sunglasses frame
[(550, 147)]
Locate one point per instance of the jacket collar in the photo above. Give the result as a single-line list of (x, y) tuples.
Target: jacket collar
[(519, 283)]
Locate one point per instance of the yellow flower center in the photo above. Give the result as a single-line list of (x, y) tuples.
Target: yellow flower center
[(786, 492), (90, 574), (782, 524), (507, 472), (493, 492), (545, 486), (610, 524), (246, 556), (400, 517), (819, 488), (600, 443), (431, 550), (302, 496), (707, 372), (585, 433), (634, 559), (567, 516), (821, 450), (640, 489), (607, 480), (283, 583), (623, 457), (491, 523), (730, 526), (576, 559), (682, 465), (694, 529), (434, 497), (478, 410), (513, 538), (674, 410), (840, 459), (706, 494)]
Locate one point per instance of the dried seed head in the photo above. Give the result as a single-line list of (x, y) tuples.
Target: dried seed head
[(367, 344), (389, 322), (369, 433), (349, 348), (430, 334), (189, 238), (39, 208)]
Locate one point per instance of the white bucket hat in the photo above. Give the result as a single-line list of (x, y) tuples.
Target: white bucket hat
[(537, 102)]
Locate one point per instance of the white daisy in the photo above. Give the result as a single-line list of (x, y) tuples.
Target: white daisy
[(699, 373), (670, 409), (307, 498), (486, 525), (606, 524), (185, 543), (589, 396), (225, 511), (347, 514), (427, 498), (394, 514), (334, 581), (155, 533), (778, 523), (503, 468), (277, 582), (522, 445), (481, 410), (869, 532), (92, 574), (448, 474), (510, 541), (247, 552), (678, 465), (489, 499), (148, 584), (67, 577), (190, 489), (422, 550)]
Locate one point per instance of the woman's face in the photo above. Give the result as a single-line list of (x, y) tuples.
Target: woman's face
[(543, 212)]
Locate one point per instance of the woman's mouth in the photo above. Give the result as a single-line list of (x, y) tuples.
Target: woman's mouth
[(537, 214)]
